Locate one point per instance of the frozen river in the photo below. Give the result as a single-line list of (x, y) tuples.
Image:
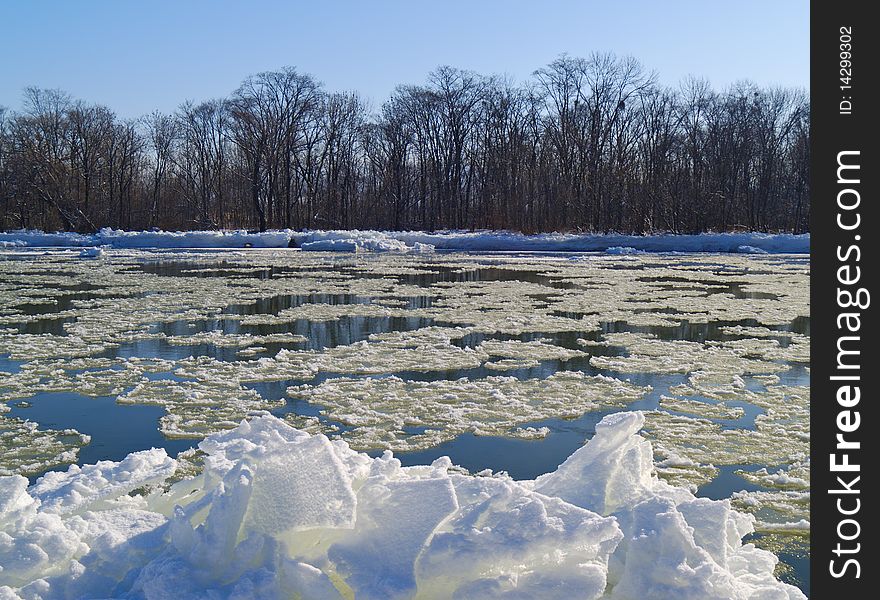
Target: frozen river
[(503, 362)]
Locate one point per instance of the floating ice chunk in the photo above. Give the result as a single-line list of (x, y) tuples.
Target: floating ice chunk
[(530, 433), (614, 469), (33, 544), (301, 485), (420, 248), (95, 252), (704, 409), (395, 520), (331, 246), (196, 408), (795, 477), (510, 364), (780, 436), (801, 525), (233, 340), (503, 540), (664, 560), (358, 241), (321, 312), (647, 353), (79, 488), (781, 505), (527, 352), (254, 437), (28, 449), (623, 250), (745, 249), (380, 410)]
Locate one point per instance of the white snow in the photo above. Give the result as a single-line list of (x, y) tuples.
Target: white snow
[(622, 250), (418, 242), (331, 246), (93, 252), (357, 241), (565, 242), (801, 525), (277, 513), (34, 237), (751, 250), (192, 239), (117, 238)]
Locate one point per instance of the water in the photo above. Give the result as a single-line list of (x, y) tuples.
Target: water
[(116, 429)]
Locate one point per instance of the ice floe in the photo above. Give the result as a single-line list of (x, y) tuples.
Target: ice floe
[(382, 413), (94, 252), (780, 437), (704, 409), (28, 449)]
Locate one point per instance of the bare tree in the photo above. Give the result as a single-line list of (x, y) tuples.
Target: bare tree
[(162, 132)]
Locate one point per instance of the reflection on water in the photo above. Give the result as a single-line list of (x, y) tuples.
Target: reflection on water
[(116, 429)]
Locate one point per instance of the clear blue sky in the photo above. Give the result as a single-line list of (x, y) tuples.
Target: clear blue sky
[(137, 56)]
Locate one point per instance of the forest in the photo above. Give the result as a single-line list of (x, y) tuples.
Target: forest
[(591, 144)]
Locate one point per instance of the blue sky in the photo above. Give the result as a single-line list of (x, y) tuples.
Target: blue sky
[(137, 56)]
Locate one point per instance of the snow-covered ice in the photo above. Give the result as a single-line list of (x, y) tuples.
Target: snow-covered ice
[(420, 242), (379, 410), (357, 241), (277, 513), (93, 252)]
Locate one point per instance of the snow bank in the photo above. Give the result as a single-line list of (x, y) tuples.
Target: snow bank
[(116, 238), (500, 241), (277, 513), (192, 239), (559, 242), (413, 241), (357, 241), (32, 237)]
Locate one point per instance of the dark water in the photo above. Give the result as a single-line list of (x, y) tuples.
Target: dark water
[(118, 429)]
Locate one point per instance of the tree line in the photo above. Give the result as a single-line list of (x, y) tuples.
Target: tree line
[(586, 144)]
